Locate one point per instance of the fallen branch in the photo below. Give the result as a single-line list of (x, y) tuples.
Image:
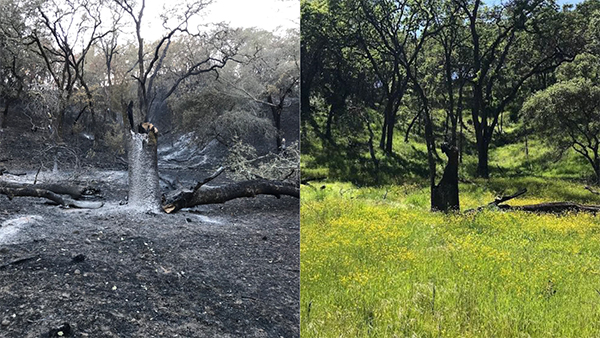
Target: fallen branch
[(210, 195), (549, 207), (18, 261), (30, 191), (209, 178), (502, 199), (74, 191), (553, 207), (307, 180), (5, 171), (498, 200), (587, 187)]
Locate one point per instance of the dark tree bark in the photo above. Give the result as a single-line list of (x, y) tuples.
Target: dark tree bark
[(5, 114), (553, 207), (31, 191), (74, 191), (210, 195), (444, 196), (276, 110)]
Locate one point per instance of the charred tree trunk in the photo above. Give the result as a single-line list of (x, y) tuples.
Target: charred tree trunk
[(276, 111), (5, 114), (444, 196), (144, 189)]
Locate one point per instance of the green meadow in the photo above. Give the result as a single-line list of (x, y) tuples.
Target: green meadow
[(375, 262)]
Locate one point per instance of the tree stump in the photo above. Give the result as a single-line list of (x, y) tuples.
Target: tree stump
[(144, 188)]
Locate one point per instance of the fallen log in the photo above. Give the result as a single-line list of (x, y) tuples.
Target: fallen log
[(74, 191), (552, 207), (548, 207), (30, 191), (210, 195)]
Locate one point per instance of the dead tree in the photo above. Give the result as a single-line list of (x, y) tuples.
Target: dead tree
[(55, 38), (444, 195), (144, 186)]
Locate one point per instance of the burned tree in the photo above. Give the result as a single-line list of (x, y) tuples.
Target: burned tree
[(59, 30), (144, 189)]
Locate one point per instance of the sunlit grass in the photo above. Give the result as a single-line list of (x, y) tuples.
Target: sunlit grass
[(376, 263)]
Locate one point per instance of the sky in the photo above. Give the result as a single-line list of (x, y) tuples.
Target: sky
[(271, 15)]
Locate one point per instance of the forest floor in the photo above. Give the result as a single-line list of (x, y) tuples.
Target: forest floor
[(224, 270)]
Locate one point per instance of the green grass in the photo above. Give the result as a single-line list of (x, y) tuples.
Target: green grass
[(376, 263)]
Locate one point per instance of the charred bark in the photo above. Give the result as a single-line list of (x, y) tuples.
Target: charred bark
[(548, 207), (74, 191), (4, 123), (444, 196), (144, 188), (30, 191), (553, 207), (211, 195)]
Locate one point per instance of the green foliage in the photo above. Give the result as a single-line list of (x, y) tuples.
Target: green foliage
[(567, 115)]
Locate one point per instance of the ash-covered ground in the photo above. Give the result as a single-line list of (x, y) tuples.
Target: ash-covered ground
[(223, 270)]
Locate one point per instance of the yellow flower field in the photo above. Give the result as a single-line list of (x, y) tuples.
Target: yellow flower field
[(376, 263)]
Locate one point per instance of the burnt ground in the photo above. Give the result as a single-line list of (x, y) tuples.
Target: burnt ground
[(223, 270)]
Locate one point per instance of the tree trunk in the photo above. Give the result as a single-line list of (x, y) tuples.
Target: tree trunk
[(390, 133), (328, 124), (483, 170), (144, 189), (384, 127), (276, 111), (5, 114), (444, 196)]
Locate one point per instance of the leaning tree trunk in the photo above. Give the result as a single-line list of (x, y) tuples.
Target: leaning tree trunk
[(444, 196), (144, 188)]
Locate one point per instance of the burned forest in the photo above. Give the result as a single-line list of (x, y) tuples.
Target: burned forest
[(149, 172)]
